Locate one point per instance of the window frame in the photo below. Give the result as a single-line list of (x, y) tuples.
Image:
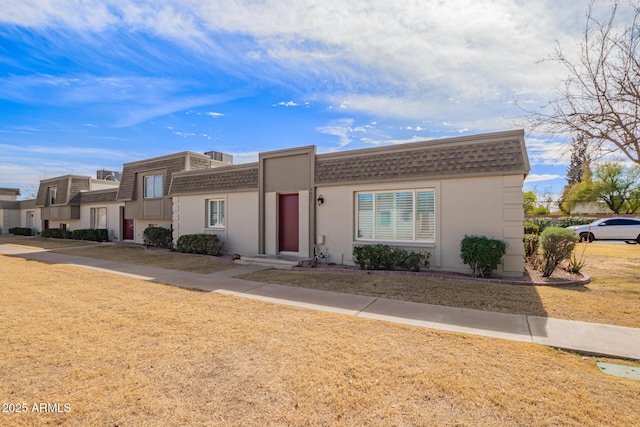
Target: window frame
[(219, 225), (157, 193), (93, 222), (53, 194), (394, 215)]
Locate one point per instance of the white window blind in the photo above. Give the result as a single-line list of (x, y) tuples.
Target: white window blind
[(365, 216), (407, 215), (216, 213)]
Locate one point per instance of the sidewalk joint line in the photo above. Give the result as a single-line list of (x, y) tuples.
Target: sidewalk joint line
[(367, 306)]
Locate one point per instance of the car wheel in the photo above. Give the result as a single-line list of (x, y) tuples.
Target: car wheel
[(587, 237), (638, 239)]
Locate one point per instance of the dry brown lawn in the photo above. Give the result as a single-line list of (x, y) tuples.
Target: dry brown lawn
[(130, 254), (613, 297), (121, 351)]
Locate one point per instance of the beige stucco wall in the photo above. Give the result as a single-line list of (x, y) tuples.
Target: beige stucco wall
[(241, 229), (37, 219), (489, 206)]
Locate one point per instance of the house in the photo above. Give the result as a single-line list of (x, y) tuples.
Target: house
[(419, 196), (9, 208), (144, 189), (61, 201)]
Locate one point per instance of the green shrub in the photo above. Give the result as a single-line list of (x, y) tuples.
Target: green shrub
[(56, 233), (383, 257), (567, 221), (94, 235), (541, 210), (158, 236), (206, 244), (21, 231), (531, 245), (556, 243), (542, 223), (531, 228), (482, 253)]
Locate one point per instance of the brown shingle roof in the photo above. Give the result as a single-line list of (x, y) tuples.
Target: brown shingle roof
[(97, 196), (431, 159), (4, 191), (232, 178)]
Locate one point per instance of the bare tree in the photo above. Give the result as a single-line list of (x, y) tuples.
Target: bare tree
[(600, 99)]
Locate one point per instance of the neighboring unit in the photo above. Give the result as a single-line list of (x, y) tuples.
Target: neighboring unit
[(423, 196)]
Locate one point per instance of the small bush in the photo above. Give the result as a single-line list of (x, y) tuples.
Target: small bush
[(567, 221), (556, 243), (531, 228), (21, 231), (482, 254), (541, 210), (542, 223), (383, 257), (531, 245), (94, 235), (158, 236), (205, 244), (56, 233)]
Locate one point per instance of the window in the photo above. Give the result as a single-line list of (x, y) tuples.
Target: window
[(53, 192), (216, 213), (407, 215), (98, 218), (153, 186)]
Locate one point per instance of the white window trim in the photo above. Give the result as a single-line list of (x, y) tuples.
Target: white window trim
[(394, 241), (224, 215)]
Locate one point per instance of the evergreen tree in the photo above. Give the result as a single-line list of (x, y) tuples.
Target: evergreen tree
[(580, 161)]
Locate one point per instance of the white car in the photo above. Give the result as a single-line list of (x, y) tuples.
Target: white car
[(627, 229)]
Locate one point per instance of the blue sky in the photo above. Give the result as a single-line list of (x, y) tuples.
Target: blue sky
[(87, 85)]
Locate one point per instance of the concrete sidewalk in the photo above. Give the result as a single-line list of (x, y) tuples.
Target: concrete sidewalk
[(592, 338)]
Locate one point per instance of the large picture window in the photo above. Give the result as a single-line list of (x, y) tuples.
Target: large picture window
[(153, 186), (216, 213), (98, 218), (407, 215)]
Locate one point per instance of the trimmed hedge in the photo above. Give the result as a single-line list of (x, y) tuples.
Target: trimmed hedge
[(21, 231), (531, 228), (56, 233), (567, 221), (158, 236), (205, 244), (94, 235), (383, 257), (482, 253)]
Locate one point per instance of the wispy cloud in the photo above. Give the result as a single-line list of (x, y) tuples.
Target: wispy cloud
[(340, 128), (286, 104), (534, 177)]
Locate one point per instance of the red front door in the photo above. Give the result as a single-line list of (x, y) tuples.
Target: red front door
[(288, 222), (127, 231)]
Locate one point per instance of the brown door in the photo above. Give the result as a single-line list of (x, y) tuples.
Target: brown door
[(288, 222), (127, 231), (46, 224)]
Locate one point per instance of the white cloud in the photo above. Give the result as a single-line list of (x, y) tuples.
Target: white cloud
[(214, 114), (341, 128), (286, 104), (533, 177)]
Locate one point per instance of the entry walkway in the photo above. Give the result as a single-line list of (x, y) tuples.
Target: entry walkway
[(592, 338)]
